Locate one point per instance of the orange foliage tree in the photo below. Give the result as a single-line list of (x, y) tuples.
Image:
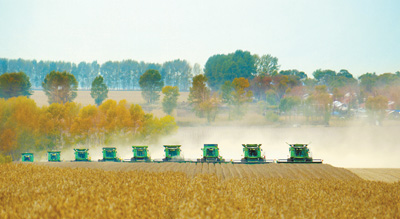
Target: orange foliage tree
[(25, 127)]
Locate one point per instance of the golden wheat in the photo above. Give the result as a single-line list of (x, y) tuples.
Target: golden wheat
[(33, 191), (226, 170)]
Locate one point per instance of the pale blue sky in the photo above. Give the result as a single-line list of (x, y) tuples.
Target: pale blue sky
[(361, 36)]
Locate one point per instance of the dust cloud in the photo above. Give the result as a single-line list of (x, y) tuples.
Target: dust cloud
[(356, 147), (350, 147)]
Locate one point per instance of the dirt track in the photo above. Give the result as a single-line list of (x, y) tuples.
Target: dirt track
[(225, 171)]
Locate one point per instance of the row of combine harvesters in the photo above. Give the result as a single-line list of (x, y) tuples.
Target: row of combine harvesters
[(299, 153)]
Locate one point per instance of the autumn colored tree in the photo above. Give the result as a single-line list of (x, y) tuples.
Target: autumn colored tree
[(60, 87), (170, 100), (322, 103), (151, 84), (259, 85), (240, 95), (200, 98), (99, 90), (283, 84), (376, 108), (14, 85), (25, 127)]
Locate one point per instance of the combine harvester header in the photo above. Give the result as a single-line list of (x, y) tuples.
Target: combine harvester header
[(299, 153)]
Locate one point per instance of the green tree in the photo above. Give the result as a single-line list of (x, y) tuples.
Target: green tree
[(288, 104), (151, 85), (226, 92), (294, 72), (368, 81), (170, 100), (60, 87), (376, 108), (221, 68), (266, 65), (14, 85), (99, 90)]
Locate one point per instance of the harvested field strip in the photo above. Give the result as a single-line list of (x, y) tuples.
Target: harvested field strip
[(226, 171), (381, 174), (40, 191)]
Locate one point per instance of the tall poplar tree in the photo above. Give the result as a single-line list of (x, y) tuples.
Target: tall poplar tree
[(99, 90)]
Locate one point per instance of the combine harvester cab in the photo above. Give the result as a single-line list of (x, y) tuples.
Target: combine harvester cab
[(299, 153), (211, 154), (172, 153), (54, 156), (140, 154), (27, 157), (110, 154), (81, 155), (252, 154)]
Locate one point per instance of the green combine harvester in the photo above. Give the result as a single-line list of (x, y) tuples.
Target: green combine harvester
[(140, 154), (110, 154), (299, 153), (211, 154), (27, 157), (54, 156), (172, 153), (252, 154), (81, 154)]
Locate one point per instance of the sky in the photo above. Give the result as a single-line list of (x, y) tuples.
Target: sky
[(358, 35)]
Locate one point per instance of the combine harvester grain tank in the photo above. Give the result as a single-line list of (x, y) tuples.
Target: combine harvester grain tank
[(299, 153)]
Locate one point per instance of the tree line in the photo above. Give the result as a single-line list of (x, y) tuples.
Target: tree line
[(229, 80), (123, 75)]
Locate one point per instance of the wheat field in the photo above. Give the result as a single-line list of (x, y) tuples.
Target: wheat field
[(223, 170), (39, 191)]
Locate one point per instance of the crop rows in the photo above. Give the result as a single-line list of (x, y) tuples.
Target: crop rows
[(34, 191), (226, 170)]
